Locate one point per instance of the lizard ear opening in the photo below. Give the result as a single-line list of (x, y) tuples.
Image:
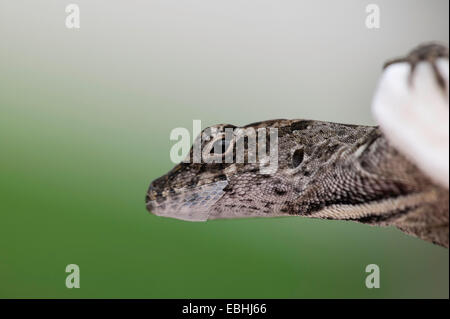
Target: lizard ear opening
[(297, 157)]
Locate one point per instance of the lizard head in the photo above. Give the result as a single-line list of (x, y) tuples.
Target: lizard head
[(273, 168), (221, 155)]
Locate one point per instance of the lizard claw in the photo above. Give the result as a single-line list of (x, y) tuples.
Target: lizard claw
[(430, 53)]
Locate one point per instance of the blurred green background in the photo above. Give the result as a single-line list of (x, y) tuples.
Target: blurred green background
[(85, 117)]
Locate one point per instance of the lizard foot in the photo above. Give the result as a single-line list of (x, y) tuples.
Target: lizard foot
[(430, 53)]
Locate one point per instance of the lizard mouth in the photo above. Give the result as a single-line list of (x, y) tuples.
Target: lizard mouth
[(188, 203)]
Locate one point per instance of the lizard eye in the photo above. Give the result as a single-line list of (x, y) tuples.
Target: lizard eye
[(297, 157), (220, 146)]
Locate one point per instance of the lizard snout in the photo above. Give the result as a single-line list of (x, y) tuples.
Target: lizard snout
[(155, 191)]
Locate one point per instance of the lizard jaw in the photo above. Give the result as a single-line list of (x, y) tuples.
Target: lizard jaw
[(190, 204)]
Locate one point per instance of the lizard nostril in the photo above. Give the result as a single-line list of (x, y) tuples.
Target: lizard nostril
[(297, 157)]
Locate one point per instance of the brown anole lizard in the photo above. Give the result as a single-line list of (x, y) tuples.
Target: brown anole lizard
[(325, 170)]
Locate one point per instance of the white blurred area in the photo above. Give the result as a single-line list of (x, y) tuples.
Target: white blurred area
[(415, 117)]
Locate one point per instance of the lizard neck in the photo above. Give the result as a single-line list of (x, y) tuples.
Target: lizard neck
[(379, 186)]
